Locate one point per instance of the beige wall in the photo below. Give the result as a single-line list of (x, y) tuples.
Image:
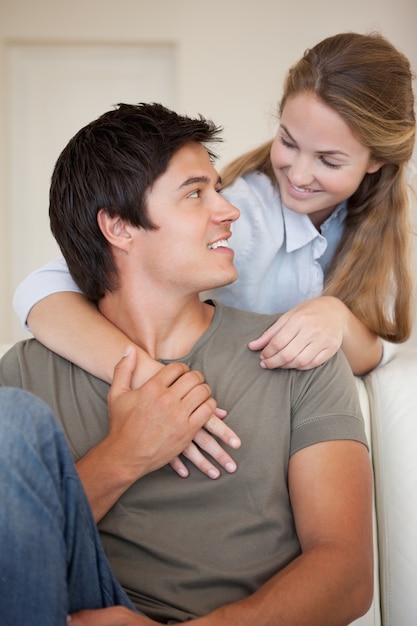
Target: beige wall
[(231, 57)]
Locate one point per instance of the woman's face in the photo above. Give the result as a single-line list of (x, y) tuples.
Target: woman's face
[(316, 158)]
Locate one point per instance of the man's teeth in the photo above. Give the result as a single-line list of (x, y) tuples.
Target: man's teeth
[(217, 244)]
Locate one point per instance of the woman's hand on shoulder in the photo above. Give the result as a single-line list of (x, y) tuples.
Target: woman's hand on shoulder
[(304, 337), (311, 333)]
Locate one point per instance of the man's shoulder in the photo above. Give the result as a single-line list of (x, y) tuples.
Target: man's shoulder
[(27, 350), (30, 365), (25, 346), (77, 398), (11, 360), (237, 321), (235, 328)]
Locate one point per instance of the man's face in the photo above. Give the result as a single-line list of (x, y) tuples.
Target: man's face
[(188, 252)]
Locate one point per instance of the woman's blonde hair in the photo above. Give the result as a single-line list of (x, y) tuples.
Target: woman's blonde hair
[(369, 84)]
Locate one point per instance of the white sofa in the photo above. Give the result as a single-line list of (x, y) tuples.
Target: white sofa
[(389, 402)]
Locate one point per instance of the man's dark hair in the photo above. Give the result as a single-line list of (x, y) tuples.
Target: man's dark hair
[(110, 164)]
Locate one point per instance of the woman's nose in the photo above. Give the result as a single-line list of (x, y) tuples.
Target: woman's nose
[(301, 172)]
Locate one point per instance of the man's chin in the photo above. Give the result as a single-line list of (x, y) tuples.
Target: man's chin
[(217, 284), (226, 281)]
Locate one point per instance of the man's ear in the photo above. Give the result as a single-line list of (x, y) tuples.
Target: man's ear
[(114, 229)]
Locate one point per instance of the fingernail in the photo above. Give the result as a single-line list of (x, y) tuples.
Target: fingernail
[(183, 473), (230, 467), (234, 443), (127, 351), (213, 473), (262, 364)]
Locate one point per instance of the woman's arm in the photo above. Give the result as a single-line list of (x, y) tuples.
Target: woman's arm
[(70, 325), (309, 334), (49, 303)]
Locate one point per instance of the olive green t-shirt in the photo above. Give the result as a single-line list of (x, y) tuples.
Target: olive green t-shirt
[(182, 547)]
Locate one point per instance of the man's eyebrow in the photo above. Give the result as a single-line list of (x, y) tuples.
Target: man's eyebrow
[(198, 179), (328, 152)]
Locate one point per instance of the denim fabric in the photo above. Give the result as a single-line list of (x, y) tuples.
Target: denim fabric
[(52, 562)]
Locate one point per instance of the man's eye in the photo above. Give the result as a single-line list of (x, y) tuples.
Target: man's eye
[(195, 194)]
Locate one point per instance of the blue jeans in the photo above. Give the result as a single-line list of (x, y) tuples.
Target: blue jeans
[(51, 559)]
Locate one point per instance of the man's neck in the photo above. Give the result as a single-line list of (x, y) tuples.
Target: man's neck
[(164, 331)]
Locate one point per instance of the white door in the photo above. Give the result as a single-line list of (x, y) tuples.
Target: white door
[(54, 90)]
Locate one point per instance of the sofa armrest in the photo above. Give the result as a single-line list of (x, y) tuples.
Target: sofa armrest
[(392, 392)]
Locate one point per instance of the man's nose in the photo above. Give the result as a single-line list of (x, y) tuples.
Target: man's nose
[(225, 212)]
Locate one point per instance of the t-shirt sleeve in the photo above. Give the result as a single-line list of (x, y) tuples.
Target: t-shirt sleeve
[(326, 406), (10, 374), (51, 278)]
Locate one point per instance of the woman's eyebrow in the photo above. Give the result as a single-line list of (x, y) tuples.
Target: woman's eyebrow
[(328, 152), (287, 132)]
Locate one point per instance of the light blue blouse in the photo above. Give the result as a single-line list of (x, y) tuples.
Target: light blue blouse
[(280, 256)]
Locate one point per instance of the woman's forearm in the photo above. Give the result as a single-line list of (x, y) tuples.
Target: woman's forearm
[(363, 348), (72, 326)]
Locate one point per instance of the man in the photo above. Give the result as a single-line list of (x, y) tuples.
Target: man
[(287, 539)]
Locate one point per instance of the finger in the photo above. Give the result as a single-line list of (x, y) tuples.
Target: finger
[(220, 413), (289, 342), (179, 467), (195, 397), (172, 372), (268, 334), (189, 381), (193, 454), (304, 362), (274, 357), (182, 381), (209, 445), (220, 429), (123, 372), (290, 338), (308, 358), (199, 411)]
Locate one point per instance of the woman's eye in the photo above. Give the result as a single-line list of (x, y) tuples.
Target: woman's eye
[(334, 166), (286, 143)]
